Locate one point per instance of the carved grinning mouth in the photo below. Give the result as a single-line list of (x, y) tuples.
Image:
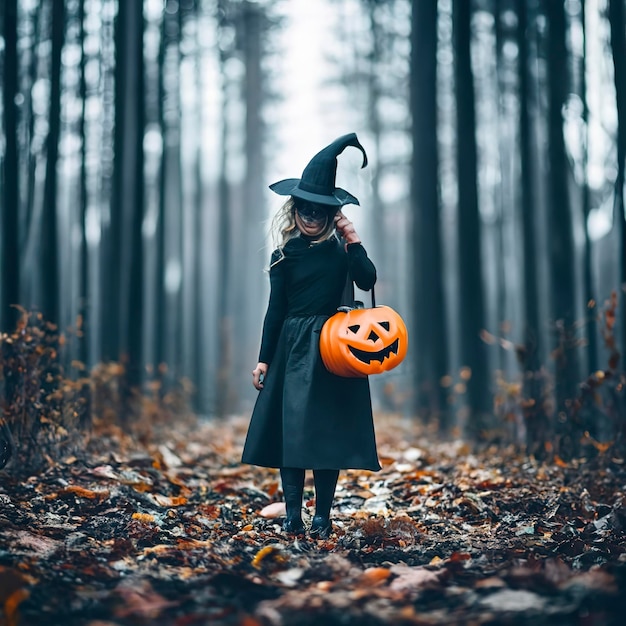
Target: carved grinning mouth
[(381, 355)]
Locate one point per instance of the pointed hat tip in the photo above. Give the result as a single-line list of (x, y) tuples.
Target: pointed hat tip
[(352, 140)]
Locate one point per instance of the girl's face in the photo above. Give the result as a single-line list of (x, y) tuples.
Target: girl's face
[(311, 218)]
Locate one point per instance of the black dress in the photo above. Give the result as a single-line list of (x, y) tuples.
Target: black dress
[(305, 416)]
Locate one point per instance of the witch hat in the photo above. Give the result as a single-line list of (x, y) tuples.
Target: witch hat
[(318, 179)]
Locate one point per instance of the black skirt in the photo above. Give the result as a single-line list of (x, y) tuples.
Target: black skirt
[(307, 417)]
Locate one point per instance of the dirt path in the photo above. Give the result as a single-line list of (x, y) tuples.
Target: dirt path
[(181, 534)]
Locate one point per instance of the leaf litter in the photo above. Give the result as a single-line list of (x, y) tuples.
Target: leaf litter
[(180, 533)]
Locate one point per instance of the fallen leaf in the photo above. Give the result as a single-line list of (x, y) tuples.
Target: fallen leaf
[(143, 517), (12, 604), (41, 545), (169, 501), (170, 459), (374, 576), (493, 582), (291, 576), (413, 578), (81, 492), (105, 471), (141, 600), (273, 554), (514, 601)]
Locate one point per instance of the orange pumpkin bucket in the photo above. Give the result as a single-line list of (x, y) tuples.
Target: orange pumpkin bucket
[(359, 342)]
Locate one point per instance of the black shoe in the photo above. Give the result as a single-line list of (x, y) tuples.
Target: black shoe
[(293, 526), (320, 527)]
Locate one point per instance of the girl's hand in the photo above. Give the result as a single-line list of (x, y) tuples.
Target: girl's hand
[(345, 229), (258, 374)]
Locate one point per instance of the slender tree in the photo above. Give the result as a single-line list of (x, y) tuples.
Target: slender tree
[(253, 26), (112, 251), (171, 209), (9, 208), (428, 293), (189, 193), (617, 15), (129, 184), (471, 315), (199, 320), (224, 357), (531, 351), (588, 285), (83, 291), (10, 277), (561, 253), (375, 121), (134, 204), (160, 299), (49, 252)]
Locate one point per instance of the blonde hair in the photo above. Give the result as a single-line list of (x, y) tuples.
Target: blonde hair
[(284, 227)]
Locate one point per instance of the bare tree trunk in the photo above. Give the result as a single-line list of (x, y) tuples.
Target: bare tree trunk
[(502, 206), (83, 351), (532, 350), (224, 338), (618, 47), (10, 277), (224, 357), (562, 258), (473, 350), (134, 204), (200, 360), (428, 293), (172, 209), (160, 299), (129, 185), (9, 209), (590, 299), (49, 252), (375, 123), (112, 237), (134, 194), (254, 23)]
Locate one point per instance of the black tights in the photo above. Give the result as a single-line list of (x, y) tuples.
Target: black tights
[(293, 486)]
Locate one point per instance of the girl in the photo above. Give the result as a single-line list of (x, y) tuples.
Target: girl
[(305, 417)]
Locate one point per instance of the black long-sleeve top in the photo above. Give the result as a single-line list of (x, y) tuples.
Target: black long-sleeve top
[(310, 280)]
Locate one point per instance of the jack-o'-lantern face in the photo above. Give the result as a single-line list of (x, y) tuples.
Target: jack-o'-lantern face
[(361, 342)]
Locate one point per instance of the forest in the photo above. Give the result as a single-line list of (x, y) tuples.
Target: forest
[(138, 139)]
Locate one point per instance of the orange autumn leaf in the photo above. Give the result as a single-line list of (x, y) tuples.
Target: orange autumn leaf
[(142, 487), (12, 604), (143, 517), (212, 511), (272, 489), (374, 576), (268, 553), (169, 501), (81, 492), (600, 446), (175, 480)]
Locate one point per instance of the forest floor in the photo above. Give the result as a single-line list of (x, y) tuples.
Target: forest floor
[(180, 533)]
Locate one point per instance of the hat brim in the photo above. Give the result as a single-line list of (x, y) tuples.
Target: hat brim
[(290, 187)]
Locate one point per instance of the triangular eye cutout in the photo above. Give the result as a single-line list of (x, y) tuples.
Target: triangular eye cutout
[(385, 325), (354, 328)]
